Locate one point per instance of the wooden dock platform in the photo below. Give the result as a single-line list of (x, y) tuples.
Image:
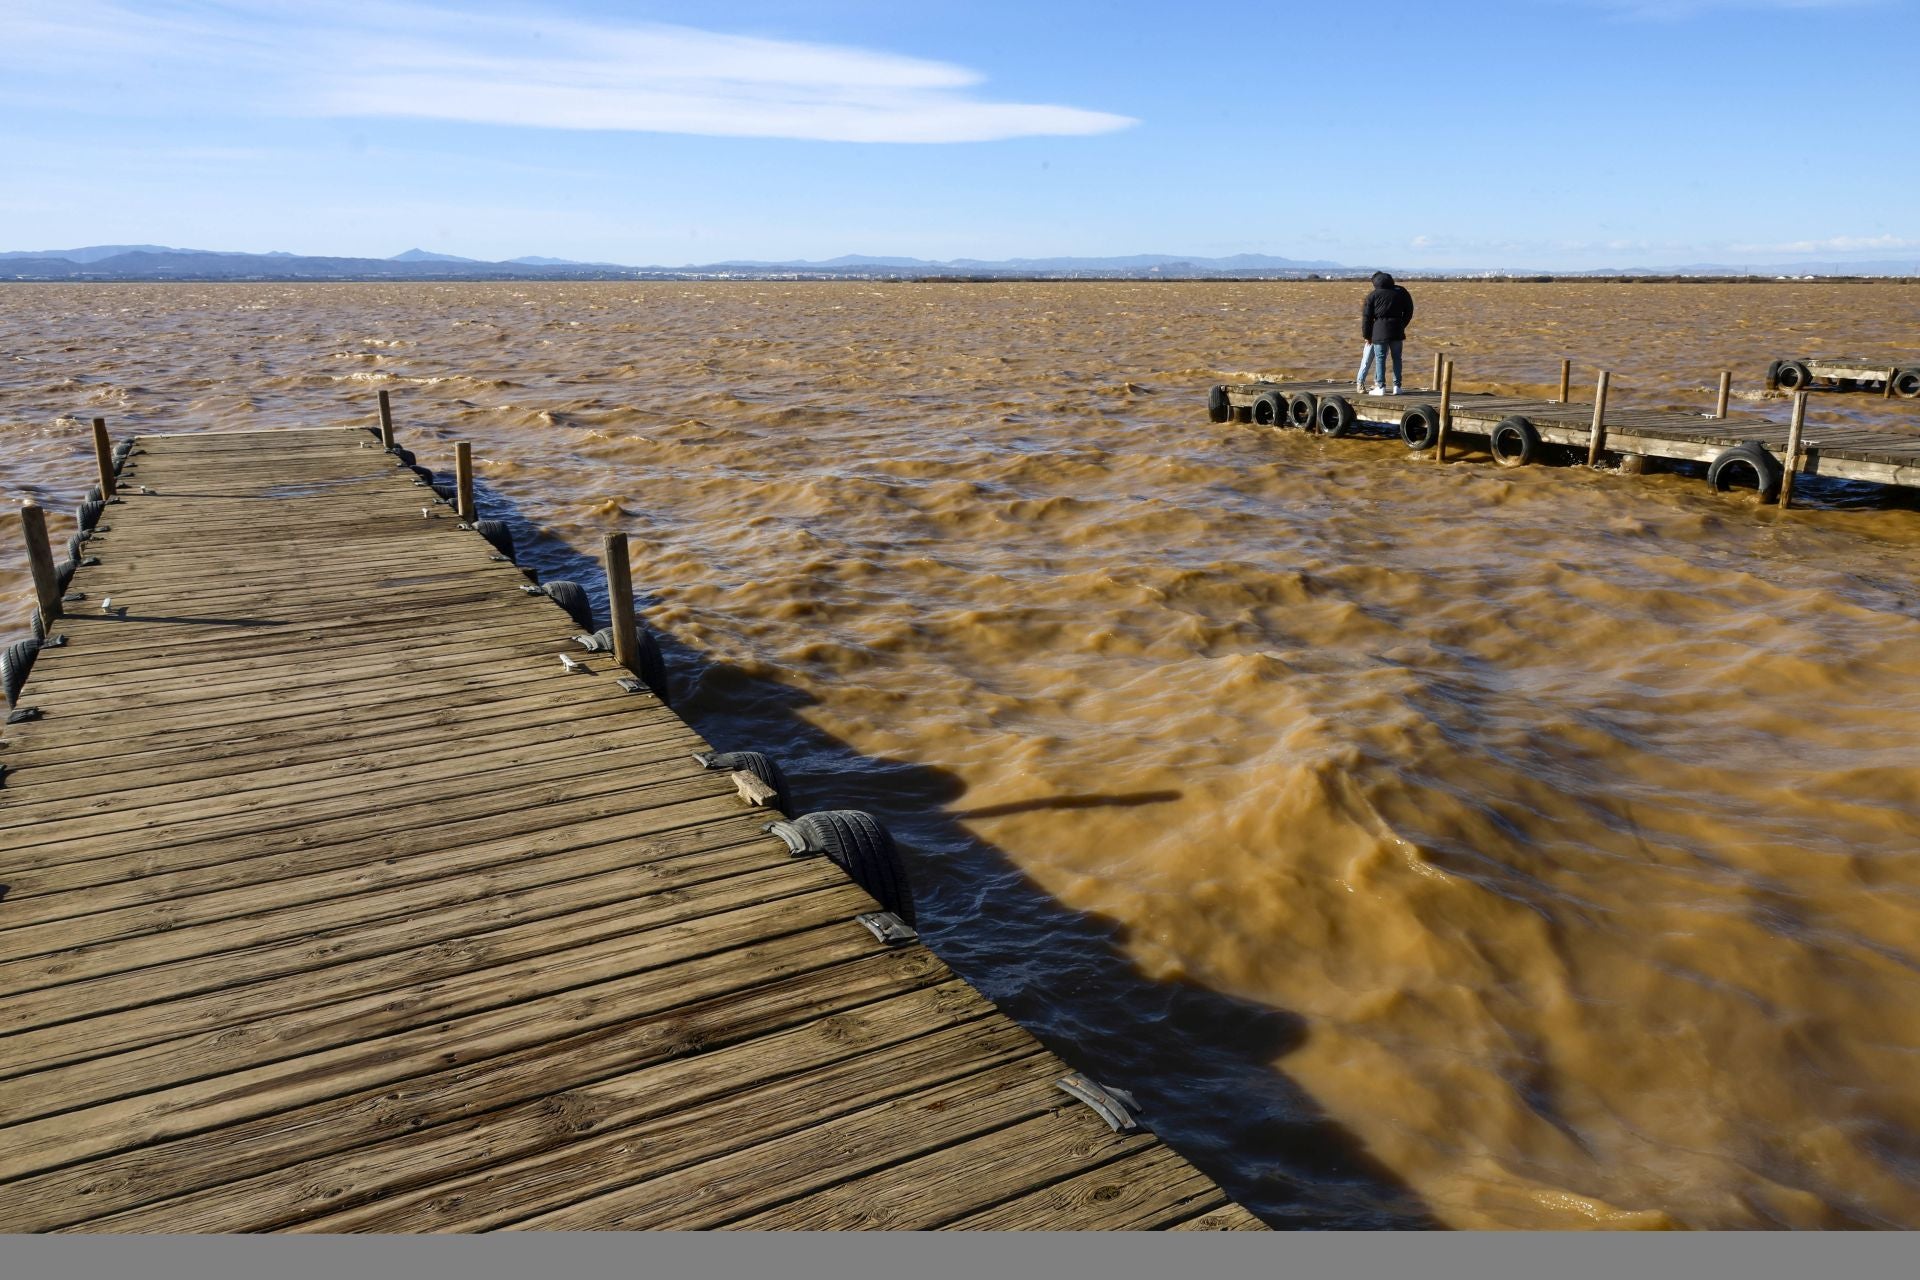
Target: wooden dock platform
[(334, 901), (1742, 448), (1845, 373)]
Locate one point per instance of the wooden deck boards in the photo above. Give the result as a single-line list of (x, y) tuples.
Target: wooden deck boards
[(334, 904)]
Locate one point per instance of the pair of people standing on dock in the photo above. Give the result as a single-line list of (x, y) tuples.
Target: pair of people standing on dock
[(1383, 327)]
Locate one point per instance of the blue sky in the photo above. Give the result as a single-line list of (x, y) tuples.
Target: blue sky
[(1532, 133)]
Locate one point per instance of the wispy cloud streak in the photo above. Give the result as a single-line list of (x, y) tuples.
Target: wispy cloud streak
[(515, 68)]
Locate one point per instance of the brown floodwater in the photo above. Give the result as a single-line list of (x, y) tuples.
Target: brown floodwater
[(1422, 844)]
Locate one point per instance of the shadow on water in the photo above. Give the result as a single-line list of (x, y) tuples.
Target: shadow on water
[(1201, 1064)]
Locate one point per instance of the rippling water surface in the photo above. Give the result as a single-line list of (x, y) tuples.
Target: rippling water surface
[(1423, 844)]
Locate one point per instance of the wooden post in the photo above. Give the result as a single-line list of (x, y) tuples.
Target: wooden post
[(1726, 391), (1566, 375), (1446, 412), (463, 480), (1438, 361), (386, 421), (1886, 387), (46, 585), (103, 454), (626, 639), (1597, 440), (1794, 429)]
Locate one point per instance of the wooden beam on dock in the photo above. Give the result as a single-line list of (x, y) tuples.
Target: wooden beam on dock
[(1726, 392), (626, 635), (103, 458), (463, 482), (1793, 459), (46, 584), (386, 420), (1566, 375), (1597, 436), (1446, 413)]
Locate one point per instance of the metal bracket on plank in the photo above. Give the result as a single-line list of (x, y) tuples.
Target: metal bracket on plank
[(55, 641), (20, 715), (531, 589), (572, 665), (796, 840), (1115, 1106), (592, 644), (497, 558), (889, 928), (631, 685), (89, 561), (71, 596)]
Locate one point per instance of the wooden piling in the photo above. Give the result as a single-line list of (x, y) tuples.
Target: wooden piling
[(1566, 376), (1438, 361), (386, 420), (1446, 412), (1726, 392), (103, 455), (1792, 462), (626, 636), (46, 584), (1597, 438), (1886, 385), (463, 480)]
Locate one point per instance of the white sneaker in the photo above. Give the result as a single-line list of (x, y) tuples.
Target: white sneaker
[(1376, 391), (1396, 390), (1359, 385)]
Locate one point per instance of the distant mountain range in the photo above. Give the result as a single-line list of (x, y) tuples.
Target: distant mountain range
[(158, 262)]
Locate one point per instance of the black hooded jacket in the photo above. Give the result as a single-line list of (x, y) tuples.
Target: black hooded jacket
[(1385, 313)]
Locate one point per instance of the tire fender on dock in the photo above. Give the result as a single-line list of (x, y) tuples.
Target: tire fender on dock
[(1420, 427), (1514, 441), (1302, 406), (1334, 417), (1744, 459), (1219, 408), (1270, 410), (855, 842)]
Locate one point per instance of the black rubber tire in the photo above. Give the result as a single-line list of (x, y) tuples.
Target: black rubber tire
[(64, 574), (1420, 427), (653, 664), (572, 597), (423, 473), (1773, 375), (404, 455), (1793, 376), (1218, 410), (1514, 442), (38, 625), (94, 495), (444, 492), (760, 766), (1906, 383), (1334, 417), (15, 661), (498, 534), (1270, 410), (73, 547), (1746, 458), (89, 514), (1301, 408), (861, 847)]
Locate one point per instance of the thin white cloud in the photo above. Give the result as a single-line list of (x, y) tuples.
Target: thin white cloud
[(500, 67), (1834, 244)]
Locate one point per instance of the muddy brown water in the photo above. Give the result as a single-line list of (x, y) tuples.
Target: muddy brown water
[(1422, 844)]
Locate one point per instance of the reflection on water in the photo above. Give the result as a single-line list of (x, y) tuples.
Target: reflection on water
[(1572, 817)]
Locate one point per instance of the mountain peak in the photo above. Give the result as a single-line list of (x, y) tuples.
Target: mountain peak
[(422, 255)]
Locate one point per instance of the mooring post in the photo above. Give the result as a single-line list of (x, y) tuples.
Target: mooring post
[(1438, 361), (386, 420), (626, 639), (1566, 376), (1726, 391), (1446, 412), (1794, 429), (103, 454), (463, 480), (46, 584), (1886, 385), (1597, 439)]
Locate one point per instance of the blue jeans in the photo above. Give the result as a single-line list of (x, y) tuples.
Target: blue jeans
[(1375, 353)]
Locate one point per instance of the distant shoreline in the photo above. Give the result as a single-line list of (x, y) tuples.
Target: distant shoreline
[(843, 277)]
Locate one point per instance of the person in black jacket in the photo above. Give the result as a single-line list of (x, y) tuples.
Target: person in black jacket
[(1383, 327)]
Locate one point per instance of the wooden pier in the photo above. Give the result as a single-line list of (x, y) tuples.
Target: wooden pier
[(1845, 373), (346, 890), (1740, 449)]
